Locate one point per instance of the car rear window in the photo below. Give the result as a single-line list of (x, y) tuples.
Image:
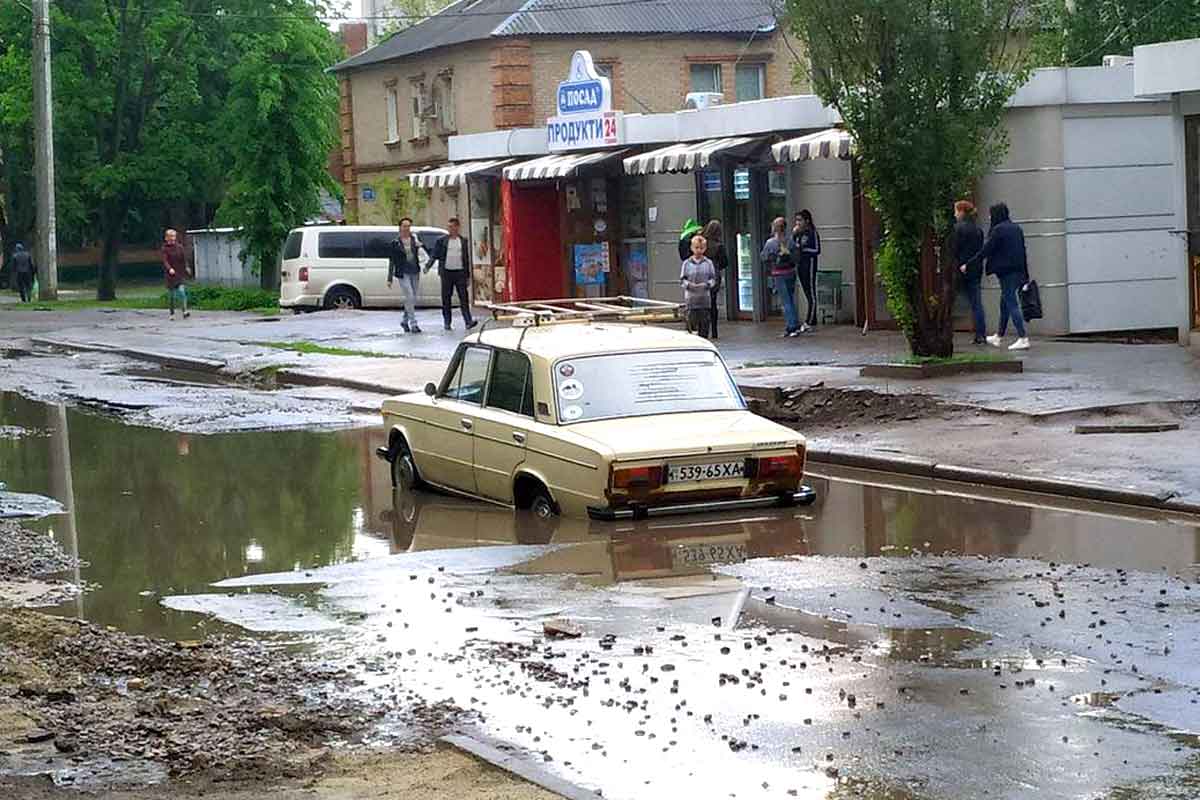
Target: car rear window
[(641, 384), (340, 244), (291, 248)]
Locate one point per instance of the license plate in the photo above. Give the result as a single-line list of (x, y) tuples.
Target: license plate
[(703, 555), (690, 473)]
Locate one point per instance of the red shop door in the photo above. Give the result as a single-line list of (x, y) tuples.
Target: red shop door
[(531, 242)]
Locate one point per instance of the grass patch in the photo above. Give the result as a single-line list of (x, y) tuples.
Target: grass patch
[(143, 296), (958, 358), (312, 348)]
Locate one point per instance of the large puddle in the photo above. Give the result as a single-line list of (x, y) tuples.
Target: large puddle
[(898, 639), (155, 513)]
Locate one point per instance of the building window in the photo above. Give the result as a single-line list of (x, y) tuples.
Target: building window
[(420, 105), (608, 70), (750, 82), (393, 116), (443, 102), (706, 78)]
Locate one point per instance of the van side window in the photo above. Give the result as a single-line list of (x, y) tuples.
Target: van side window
[(469, 377), (511, 386), (339, 244), (378, 245), (291, 248)]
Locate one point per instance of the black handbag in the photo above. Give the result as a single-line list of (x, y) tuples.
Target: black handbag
[(1031, 301)]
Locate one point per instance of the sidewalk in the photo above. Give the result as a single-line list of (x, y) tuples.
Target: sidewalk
[(1015, 429)]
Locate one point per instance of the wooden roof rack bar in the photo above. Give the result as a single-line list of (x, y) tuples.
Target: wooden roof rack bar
[(585, 309)]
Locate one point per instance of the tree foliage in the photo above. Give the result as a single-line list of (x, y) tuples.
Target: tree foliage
[(407, 13), (922, 86), (280, 123), (141, 95), (1081, 32)]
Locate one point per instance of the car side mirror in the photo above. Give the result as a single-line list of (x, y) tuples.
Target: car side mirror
[(430, 389)]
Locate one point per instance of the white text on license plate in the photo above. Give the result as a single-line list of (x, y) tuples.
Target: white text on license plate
[(682, 473), (702, 555)]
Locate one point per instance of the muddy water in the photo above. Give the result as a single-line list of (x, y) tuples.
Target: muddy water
[(156, 513)]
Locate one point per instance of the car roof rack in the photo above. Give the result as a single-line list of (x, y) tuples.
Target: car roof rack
[(531, 313)]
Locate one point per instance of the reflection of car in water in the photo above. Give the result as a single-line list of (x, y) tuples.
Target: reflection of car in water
[(613, 551), (611, 421)]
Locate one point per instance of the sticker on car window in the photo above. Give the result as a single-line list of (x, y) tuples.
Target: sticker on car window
[(566, 370), (572, 413), (570, 389)]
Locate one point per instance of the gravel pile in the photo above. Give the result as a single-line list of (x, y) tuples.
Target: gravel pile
[(29, 554)]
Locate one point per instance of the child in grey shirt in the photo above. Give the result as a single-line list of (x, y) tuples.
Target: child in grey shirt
[(697, 276)]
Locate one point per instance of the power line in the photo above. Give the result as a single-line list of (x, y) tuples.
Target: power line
[(1117, 30)]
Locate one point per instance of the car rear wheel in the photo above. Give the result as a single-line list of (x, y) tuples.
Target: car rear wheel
[(342, 297), (404, 468), (543, 506)]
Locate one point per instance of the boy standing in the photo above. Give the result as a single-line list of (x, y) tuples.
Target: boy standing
[(698, 276)]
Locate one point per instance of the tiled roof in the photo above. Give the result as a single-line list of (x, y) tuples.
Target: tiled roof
[(476, 20)]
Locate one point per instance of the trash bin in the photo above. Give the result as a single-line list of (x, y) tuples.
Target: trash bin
[(829, 295)]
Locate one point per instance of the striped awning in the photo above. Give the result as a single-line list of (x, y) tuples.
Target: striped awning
[(682, 157), (559, 165), (833, 143), (452, 174)]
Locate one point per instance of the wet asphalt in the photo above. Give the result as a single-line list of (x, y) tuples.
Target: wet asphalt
[(900, 639)]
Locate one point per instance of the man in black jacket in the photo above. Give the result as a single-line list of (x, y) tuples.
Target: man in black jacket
[(23, 269), (404, 265), (968, 240), (452, 254), (1006, 259)]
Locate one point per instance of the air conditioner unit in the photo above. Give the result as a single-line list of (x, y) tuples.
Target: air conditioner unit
[(699, 100), (1117, 61)]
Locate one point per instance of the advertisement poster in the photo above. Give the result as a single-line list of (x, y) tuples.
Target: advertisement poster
[(591, 264), (481, 245), (637, 269)]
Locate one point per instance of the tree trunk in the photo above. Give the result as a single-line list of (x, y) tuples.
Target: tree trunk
[(268, 273), (111, 220), (933, 300)]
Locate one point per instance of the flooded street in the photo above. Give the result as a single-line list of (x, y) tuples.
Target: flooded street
[(898, 639)]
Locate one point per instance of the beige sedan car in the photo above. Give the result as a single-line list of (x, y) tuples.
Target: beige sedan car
[(603, 419)]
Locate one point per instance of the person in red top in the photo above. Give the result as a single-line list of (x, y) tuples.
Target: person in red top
[(175, 270)]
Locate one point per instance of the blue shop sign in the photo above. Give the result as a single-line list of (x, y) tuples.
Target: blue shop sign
[(585, 118), (580, 97)]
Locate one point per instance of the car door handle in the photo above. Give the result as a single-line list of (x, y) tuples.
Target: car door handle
[(518, 437), (467, 424)]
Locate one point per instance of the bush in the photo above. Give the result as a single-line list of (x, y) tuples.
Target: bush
[(224, 298)]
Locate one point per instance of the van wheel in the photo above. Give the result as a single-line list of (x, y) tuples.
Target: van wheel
[(342, 297), (404, 468)]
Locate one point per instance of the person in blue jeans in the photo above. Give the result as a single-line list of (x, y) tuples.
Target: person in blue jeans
[(968, 240), (776, 256), (1006, 258)]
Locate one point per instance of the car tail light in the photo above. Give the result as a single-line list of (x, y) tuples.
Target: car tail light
[(303, 275), (637, 477), (771, 467)]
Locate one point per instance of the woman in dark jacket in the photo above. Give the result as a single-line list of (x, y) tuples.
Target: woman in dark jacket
[(968, 240), (1006, 259), (716, 254), (806, 244)]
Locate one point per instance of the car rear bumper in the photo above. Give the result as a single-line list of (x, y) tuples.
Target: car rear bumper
[(803, 497), (288, 300)]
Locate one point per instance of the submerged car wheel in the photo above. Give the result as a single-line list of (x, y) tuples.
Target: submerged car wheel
[(542, 506), (404, 468)]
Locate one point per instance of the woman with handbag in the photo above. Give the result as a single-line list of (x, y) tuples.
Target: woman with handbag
[(1006, 258)]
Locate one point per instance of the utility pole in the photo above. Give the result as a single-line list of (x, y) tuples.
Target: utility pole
[(45, 248)]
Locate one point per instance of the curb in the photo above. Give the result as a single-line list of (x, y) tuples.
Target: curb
[(522, 768), (926, 468), (165, 359), (299, 378)]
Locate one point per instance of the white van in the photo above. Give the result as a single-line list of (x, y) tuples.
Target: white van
[(346, 266)]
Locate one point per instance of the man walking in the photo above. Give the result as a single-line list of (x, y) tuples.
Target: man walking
[(452, 255), (175, 270), (23, 269), (404, 265)]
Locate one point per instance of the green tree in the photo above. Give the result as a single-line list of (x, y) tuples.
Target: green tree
[(922, 86), (1082, 32), (409, 12), (279, 125)]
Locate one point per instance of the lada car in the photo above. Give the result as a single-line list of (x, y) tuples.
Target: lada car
[(607, 419)]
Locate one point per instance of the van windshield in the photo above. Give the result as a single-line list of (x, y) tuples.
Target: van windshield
[(641, 384)]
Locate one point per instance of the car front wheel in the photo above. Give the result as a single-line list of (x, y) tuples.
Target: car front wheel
[(404, 469)]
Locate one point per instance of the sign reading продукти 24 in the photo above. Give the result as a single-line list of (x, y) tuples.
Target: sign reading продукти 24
[(585, 116)]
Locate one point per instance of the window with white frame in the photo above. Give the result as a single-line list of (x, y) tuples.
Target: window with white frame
[(706, 77), (419, 106), (750, 82), (393, 115)]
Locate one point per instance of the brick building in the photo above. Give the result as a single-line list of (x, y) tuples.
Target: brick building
[(484, 65)]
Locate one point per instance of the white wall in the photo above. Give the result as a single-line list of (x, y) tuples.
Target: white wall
[(1167, 68), (675, 198), (217, 262), (824, 187)]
